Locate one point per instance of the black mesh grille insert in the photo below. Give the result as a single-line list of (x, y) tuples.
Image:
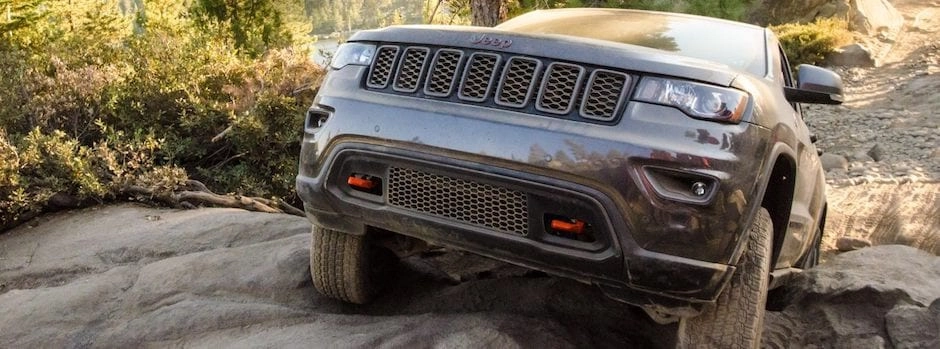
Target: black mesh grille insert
[(410, 69), (462, 200), (381, 71), (478, 77), (515, 86), (558, 88), (604, 93), (443, 74)]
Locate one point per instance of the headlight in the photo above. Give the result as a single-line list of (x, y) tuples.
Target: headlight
[(696, 100), (352, 53)]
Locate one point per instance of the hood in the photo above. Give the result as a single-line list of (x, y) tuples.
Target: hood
[(614, 55)]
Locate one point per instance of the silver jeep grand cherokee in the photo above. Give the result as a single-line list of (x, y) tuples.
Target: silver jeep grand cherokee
[(661, 157)]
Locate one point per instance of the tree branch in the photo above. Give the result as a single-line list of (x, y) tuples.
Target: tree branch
[(203, 196)]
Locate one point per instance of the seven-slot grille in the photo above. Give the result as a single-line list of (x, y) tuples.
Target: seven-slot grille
[(462, 200), (501, 80)]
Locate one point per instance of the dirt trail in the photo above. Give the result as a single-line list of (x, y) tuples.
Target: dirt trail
[(892, 110), (907, 214), (908, 64)]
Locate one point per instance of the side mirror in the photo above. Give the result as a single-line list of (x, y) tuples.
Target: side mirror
[(816, 85)]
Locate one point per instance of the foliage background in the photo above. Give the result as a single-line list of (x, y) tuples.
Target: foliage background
[(811, 43), (99, 95)]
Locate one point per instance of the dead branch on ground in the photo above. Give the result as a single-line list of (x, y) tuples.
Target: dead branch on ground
[(196, 193)]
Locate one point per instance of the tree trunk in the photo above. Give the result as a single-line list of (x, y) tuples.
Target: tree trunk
[(487, 13)]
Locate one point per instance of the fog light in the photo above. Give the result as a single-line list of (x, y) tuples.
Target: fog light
[(699, 189)]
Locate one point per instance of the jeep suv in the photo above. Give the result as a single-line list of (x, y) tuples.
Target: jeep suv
[(661, 157)]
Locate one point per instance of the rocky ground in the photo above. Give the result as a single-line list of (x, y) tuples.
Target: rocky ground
[(882, 147), (133, 276), (888, 131), (882, 152), (878, 297)]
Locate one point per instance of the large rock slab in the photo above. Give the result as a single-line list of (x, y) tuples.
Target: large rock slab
[(131, 276), (869, 298), (57, 248), (875, 17), (912, 326), (121, 277)]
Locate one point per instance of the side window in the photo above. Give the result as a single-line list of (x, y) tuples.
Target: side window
[(787, 78), (785, 69)]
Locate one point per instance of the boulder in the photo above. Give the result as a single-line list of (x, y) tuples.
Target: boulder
[(875, 17), (883, 296), (911, 326), (832, 161), (861, 156), (896, 272), (848, 243), (876, 152), (853, 55)]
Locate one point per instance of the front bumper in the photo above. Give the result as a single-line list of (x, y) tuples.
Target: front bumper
[(652, 245)]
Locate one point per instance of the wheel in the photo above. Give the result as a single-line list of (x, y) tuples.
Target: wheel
[(737, 317), (340, 265)]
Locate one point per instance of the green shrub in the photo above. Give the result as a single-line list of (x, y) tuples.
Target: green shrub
[(42, 166), (254, 26), (13, 200), (810, 43), (93, 101), (258, 153), (46, 165)]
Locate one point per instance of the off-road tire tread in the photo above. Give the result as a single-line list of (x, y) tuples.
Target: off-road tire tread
[(737, 319), (339, 265)]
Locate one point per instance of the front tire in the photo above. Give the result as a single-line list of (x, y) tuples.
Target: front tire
[(340, 265), (737, 318)]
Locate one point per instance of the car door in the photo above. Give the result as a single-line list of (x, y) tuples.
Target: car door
[(810, 183)]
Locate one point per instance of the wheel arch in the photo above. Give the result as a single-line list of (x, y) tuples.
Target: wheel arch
[(778, 196)]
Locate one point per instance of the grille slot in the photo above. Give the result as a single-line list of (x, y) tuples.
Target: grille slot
[(478, 77), (410, 69), (443, 74), (517, 82), (559, 87), (604, 94), (462, 200), (381, 71)]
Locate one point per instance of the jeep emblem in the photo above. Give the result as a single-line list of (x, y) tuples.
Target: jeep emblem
[(490, 41)]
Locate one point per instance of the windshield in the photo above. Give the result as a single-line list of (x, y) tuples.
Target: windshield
[(734, 44)]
